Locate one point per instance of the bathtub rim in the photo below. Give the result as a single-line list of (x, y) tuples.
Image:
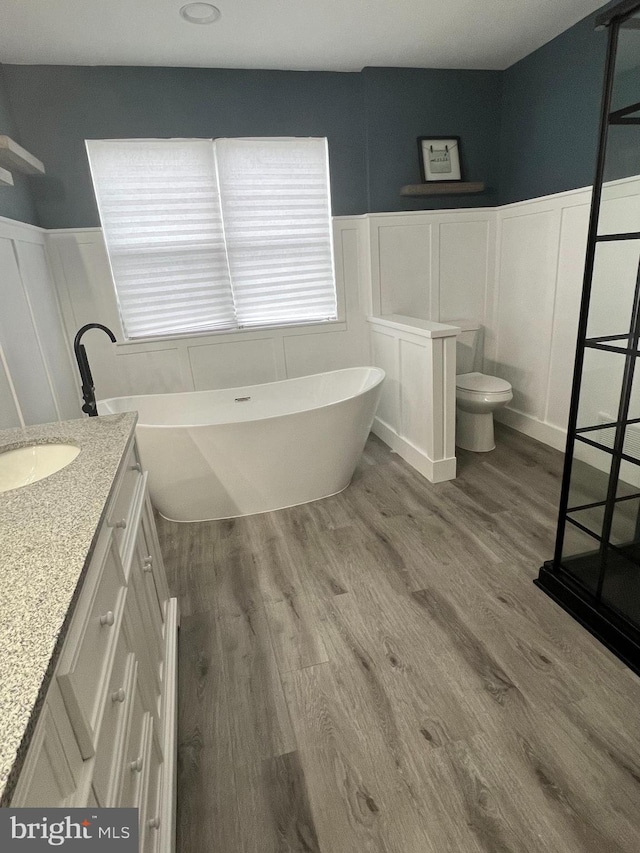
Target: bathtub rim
[(381, 377)]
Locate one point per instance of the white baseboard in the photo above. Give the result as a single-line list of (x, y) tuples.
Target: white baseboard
[(541, 431), (435, 471)]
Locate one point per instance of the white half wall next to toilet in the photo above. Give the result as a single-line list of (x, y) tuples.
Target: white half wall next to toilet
[(416, 413)]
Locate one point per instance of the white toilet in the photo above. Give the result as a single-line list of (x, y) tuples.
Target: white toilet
[(477, 395)]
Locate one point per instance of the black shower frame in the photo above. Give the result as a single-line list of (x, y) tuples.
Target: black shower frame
[(619, 634)]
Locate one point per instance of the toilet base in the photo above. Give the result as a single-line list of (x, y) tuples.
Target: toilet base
[(474, 431)]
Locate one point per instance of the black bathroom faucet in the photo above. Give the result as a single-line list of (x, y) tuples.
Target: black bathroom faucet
[(88, 391)]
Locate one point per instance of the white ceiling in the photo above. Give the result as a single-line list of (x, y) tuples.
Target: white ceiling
[(339, 35)]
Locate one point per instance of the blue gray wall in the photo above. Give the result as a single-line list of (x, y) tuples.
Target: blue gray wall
[(371, 119), (404, 103), (623, 143), (528, 131), (550, 115), (16, 202), (61, 106)]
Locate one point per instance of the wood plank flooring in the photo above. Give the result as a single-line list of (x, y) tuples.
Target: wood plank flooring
[(376, 673)]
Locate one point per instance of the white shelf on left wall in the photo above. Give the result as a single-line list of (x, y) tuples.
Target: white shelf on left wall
[(16, 158), (6, 178)]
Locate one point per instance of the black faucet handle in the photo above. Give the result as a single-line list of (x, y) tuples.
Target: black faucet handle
[(85, 370)]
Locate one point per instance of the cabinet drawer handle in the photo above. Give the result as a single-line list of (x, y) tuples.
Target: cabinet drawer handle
[(148, 564), (121, 524), (136, 467), (154, 823), (107, 618), (119, 696), (136, 766)]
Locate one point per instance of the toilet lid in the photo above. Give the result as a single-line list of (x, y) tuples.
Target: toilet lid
[(482, 383)]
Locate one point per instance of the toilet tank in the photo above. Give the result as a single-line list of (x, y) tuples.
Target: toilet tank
[(468, 346)]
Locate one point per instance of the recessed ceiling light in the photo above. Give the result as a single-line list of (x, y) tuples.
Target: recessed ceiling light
[(200, 13)]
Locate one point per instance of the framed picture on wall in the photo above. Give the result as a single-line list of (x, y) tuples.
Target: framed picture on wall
[(440, 158)]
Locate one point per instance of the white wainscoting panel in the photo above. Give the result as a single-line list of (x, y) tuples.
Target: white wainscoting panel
[(10, 413), (574, 225), (466, 267), (236, 363), (20, 344), (83, 278), (334, 350), (404, 255), (528, 253), (35, 273), (142, 372), (433, 265), (533, 319), (386, 354), (37, 361)]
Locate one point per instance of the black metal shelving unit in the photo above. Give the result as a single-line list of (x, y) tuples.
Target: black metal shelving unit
[(595, 571)]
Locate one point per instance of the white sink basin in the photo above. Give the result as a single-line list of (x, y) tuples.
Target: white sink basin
[(27, 465)]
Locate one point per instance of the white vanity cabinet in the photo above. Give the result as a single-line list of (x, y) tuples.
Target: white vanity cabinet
[(106, 734)]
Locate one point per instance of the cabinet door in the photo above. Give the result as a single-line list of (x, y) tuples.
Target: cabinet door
[(83, 670), (47, 779), (122, 509)]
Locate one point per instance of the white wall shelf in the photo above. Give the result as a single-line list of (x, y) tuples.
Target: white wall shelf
[(16, 158), (6, 178)]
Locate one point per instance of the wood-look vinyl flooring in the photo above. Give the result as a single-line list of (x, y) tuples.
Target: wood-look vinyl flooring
[(376, 672)]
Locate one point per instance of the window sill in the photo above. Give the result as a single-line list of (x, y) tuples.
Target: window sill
[(203, 338)]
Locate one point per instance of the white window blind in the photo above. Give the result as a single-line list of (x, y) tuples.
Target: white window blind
[(277, 220), (205, 235), (160, 211)]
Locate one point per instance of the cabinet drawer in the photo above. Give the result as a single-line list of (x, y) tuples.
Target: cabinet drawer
[(143, 647), (132, 771), (83, 668), (119, 512), (114, 719), (141, 579), (152, 815), (157, 576)]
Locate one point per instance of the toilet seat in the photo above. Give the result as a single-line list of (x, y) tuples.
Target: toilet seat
[(482, 384)]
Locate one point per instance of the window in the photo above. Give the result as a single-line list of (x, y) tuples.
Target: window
[(218, 234)]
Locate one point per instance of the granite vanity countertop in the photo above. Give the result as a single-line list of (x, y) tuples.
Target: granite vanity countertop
[(47, 534)]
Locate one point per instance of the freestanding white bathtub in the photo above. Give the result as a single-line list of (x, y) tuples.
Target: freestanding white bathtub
[(239, 451)]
